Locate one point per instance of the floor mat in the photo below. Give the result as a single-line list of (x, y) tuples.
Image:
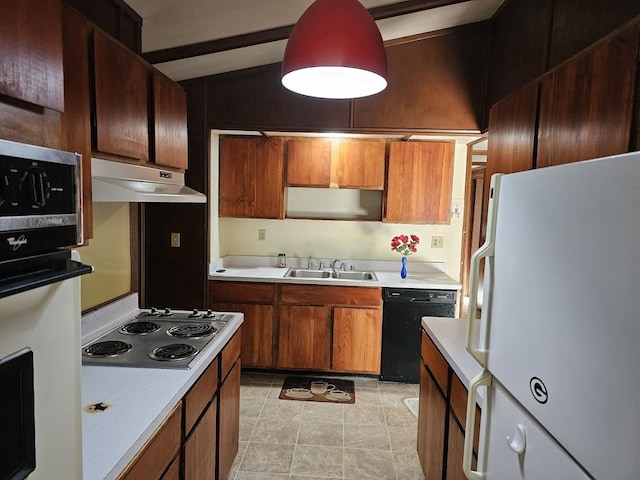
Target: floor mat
[(314, 389), (412, 405)]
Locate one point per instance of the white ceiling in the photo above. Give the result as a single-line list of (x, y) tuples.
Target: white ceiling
[(171, 23)]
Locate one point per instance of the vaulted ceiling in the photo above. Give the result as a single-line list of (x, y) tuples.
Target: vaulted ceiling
[(195, 38)]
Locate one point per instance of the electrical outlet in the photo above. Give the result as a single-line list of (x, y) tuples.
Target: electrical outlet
[(437, 242), (262, 234), (175, 239)]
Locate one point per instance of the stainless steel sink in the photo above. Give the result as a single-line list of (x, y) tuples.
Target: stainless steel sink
[(302, 273), (339, 275), (352, 275)]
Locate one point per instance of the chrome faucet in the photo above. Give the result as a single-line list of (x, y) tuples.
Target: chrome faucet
[(309, 260), (334, 264)]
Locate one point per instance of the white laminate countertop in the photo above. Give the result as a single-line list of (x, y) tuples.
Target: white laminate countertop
[(138, 400), (449, 335), (421, 275)]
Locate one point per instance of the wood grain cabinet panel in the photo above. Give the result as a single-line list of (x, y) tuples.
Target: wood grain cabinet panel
[(586, 104), (455, 451), (230, 354), (345, 163), (31, 62), (239, 292), (200, 447), (156, 455), (357, 339), (173, 472), (309, 162), (303, 335), (360, 164), (200, 395), (419, 182), (229, 420), (121, 101), (436, 363), (170, 122), (432, 418), (257, 332), (251, 177)]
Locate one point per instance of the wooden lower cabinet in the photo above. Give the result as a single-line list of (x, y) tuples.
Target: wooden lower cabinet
[(432, 415), (441, 417), (229, 421), (200, 447), (302, 341), (357, 339), (202, 431), (257, 302), (154, 458), (173, 472)]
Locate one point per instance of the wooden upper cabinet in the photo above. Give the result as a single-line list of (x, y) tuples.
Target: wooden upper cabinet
[(419, 182), (360, 164), (31, 62), (170, 122), (347, 163), (121, 107), (309, 162), (586, 104), (251, 177)]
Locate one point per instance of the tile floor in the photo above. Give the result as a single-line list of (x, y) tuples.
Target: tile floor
[(375, 438)]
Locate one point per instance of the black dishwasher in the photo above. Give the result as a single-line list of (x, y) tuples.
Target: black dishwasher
[(403, 310)]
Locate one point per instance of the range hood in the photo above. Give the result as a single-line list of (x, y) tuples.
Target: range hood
[(123, 182)]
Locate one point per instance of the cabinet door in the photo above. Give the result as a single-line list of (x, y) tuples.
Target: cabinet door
[(229, 421), (419, 182), (121, 115), (251, 177), (586, 105), (360, 164), (357, 339), (432, 417), (170, 122), (309, 162), (257, 332), (31, 52), (455, 451), (200, 447), (302, 341)]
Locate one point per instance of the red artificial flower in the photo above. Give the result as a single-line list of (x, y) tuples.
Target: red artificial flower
[(415, 238), (413, 248), (404, 239)]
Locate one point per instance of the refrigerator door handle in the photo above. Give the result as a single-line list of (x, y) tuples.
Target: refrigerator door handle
[(485, 251), (483, 379)]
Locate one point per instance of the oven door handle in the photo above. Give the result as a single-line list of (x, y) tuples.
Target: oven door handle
[(20, 275)]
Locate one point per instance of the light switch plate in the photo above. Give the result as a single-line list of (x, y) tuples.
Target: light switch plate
[(175, 239)]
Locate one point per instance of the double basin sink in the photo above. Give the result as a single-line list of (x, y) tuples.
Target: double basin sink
[(326, 274)]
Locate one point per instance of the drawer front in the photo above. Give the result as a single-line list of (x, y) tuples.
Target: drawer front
[(436, 363), (230, 354), (328, 295), (158, 452), (237, 292), (196, 400), (458, 402)]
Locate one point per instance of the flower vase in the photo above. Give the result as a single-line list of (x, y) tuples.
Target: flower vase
[(403, 270)]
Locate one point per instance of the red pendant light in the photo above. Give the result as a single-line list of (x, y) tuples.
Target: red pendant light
[(335, 51)]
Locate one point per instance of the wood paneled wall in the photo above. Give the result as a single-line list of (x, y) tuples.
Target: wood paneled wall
[(530, 37)]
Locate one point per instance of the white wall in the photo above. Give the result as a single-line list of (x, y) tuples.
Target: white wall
[(336, 239)]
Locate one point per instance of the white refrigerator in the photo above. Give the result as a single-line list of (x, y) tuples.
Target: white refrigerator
[(560, 329)]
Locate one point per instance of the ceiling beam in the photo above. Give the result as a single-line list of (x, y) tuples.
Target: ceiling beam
[(280, 33)]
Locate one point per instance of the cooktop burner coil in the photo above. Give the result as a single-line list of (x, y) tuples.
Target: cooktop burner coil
[(174, 351), (108, 348), (192, 330), (139, 328)]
